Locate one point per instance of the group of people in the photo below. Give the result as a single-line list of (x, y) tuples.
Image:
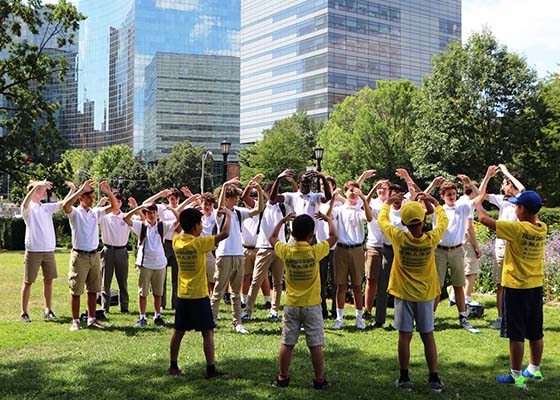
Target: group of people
[(305, 239)]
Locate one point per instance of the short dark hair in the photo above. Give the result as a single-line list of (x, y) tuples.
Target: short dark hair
[(189, 218), (351, 184), (231, 191), (395, 188), (302, 226), (175, 192), (151, 207), (447, 186), (208, 198), (118, 195)]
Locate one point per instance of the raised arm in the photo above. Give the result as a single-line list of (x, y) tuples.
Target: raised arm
[(246, 195), (333, 235), (105, 188), (157, 196), (369, 173), (467, 182), (366, 207), (276, 231), (72, 190), (491, 172), (428, 204), (512, 178), (127, 218), (483, 216), (222, 198), (189, 200), (36, 185), (70, 200), (276, 184), (224, 232), (434, 184)]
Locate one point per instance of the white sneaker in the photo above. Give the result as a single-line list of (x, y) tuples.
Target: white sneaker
[(338, 324), (240, 329), (497, 324), (360, 324)]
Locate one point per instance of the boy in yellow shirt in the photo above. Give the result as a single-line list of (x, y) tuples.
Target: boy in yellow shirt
[(522, 281), (303, 293), (414, 280), (193, 309)]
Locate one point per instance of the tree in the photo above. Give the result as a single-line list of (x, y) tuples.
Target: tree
[(108, 158), (183, 167), (131, 178), (370, 130), (27, 125), (80, 161), (474, 109), (288, 144)]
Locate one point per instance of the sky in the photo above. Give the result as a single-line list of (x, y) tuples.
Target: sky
[(529, 28)]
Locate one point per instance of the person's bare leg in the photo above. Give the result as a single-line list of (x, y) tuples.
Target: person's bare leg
[(317, 359), (430, 350), (285, 359), (25, 294)]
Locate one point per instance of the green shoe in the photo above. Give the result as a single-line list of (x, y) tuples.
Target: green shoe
[(536, 377), (518, 382)]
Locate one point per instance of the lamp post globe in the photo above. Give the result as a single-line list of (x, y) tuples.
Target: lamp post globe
[(225, 147)]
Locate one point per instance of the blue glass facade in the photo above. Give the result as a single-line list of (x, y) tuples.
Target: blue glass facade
[(307, 55), (120, 39)]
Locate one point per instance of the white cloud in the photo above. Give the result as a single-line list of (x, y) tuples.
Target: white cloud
[(204, 26), (183, 5), (528, 28)]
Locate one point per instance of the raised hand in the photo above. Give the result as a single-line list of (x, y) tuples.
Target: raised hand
[(104, 187)]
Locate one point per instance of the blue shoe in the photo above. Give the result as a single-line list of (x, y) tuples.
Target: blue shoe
[(536, 377), (245, 316), (509, 378)]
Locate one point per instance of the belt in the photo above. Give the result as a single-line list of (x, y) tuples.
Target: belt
[(447, 248), (349, 246), (250, 247), (85, 251), (114, 247)]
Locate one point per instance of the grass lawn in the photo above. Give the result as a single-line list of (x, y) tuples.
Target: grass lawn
[(44, 360)]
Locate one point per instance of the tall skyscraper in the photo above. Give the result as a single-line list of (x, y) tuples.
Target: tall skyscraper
[(307, 55), (120, 39)]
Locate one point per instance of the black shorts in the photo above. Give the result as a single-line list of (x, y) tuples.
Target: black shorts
[(194, 314), (522, 311)]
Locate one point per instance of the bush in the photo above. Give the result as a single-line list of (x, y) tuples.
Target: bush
[(12, 233)]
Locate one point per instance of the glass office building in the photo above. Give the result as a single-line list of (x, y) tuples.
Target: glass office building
[(120, 39), (308, 55)]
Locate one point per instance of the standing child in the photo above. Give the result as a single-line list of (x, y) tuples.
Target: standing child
[(414, 281), (522, 281), (303, 293), (193, 304)]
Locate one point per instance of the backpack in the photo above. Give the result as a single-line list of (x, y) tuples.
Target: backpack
[(142, 237), (224, 221)]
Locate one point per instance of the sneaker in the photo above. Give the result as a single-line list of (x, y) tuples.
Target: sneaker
[(338, 324), (273, 316), (405, 385), (215, 375), (451, 303), (174, 371), (377, 325), (360, 324), (245, 316), (243, 305), (497, 324), (536, 377), (25, 317), (49, 316), (75, 326), (159, 321), (367, 316), (464, 323), (240, 329), (267, 305), (436, 386), (95, 324), (518, 382), (321, 385), (142, 322), (281, 382)]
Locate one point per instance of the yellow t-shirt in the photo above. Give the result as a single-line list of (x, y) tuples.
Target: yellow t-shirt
[(523, 257), (303, 284), (413, 274), (190, 252)]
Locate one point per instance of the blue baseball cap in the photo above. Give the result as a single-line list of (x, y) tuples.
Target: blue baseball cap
[(529, 199)]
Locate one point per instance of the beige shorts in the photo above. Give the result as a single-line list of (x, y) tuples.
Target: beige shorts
[(249, 263), (210, 267), (150, 279), (373, 262), (84, 270), (455, 259), (35, 259), (498, 264), (471, 262), (310, 318), (349, 262)]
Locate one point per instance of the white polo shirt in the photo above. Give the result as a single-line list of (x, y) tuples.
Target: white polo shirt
[(232, 246), (375, 235), (249, 231), (349, 222), (322, 231), (457, 226), (395, 219), (303, 203), (208, 223), (506, 213), (166, 215), (152, 248), (39, 231), (114, 231), (84, 226), (272, 214)]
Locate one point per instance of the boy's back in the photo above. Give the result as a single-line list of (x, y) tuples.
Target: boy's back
[(191, 258)]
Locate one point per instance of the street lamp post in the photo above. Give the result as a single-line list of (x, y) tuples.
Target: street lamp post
[(318, 152), (204, 157), (225, 146)]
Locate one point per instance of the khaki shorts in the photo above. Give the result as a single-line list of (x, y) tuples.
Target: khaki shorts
[(150, 279), (455, 259), (373, 262), (310, 318), (35, 259), (249, 263), (210, 267), (349, 262), (498, 264), (471, 262), (84, 269)]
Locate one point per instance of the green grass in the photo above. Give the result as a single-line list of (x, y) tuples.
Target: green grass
[(43, 360)]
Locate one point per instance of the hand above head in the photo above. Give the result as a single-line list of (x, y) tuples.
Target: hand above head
[(402, 173), (132, 202), (492, 170), (104, 187), (394, 198), (257, 178), (70, 185), (323, 217), (465, 180), (289, 217), (423, 196), (233, 181), (87, 186), (287, 173), (186, 191)]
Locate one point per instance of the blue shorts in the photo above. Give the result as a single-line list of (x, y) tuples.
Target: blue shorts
[(522, 311), (194, 314)]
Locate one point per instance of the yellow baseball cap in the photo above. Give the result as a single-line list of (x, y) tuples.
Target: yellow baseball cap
[(412, 213)]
